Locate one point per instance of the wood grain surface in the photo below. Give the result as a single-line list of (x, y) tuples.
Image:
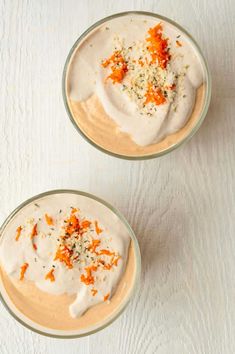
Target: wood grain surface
[(181, 206)]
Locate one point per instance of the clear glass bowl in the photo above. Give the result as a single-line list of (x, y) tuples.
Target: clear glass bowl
[(207, 82), (25, 321)]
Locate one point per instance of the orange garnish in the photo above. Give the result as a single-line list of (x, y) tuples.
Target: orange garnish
[(94, 292), (107, 266), (141, 62), (88, 279), (97, 229), (23, 270), (158, 46), (50, 275), (106, 252), (154, 95), (73, 224), (118, 67), (115, 260), (74, 210), (86, 224), (95, 243), (63, 254), (35, 246), (179, 44), (106, 297), (101, 261), (34, 231), (18, 232), (117, 75), (173, 87), (49, 220)]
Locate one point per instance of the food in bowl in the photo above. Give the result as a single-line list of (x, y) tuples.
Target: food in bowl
[(135, 85), (67, 263)]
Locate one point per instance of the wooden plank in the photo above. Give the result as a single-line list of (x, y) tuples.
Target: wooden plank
[(181, 206)]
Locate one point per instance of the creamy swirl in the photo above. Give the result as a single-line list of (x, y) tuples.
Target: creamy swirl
[(128, 36)]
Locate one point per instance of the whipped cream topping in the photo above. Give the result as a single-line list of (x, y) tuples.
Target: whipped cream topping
[(125, 101), (67, 244)]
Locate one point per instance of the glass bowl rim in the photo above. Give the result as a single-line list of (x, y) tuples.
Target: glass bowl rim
[(136, 281), (206, 102)]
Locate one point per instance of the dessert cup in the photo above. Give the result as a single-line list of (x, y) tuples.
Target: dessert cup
[(10, 305), (164, 146)]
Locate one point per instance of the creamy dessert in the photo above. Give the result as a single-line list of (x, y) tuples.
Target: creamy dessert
[(67, 262), (135, 85)]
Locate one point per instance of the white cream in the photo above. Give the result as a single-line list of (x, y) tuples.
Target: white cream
[(13, 254), (86, 77)]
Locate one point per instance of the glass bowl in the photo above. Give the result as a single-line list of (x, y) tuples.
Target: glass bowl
[(25, 321), (207, 90)]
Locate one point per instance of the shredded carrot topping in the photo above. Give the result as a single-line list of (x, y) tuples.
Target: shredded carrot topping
[(118, 67), (74, 210), (72, 246), (23, 270), (154, 95), (95, 243), (97, 229), (50, 275), (106, 297), (172, 87), (106, 252), (86, 224), (158, 46), (18, 232), (49, 220), (101, 261), (73, 224), (179, 44), (115, 260), (34, 231), (63, 254), (107, 266), (155, 55), (35, 246), (89, 278), (94, 291)]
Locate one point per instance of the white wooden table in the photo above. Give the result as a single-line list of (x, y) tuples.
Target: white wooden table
[(181, 206)]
